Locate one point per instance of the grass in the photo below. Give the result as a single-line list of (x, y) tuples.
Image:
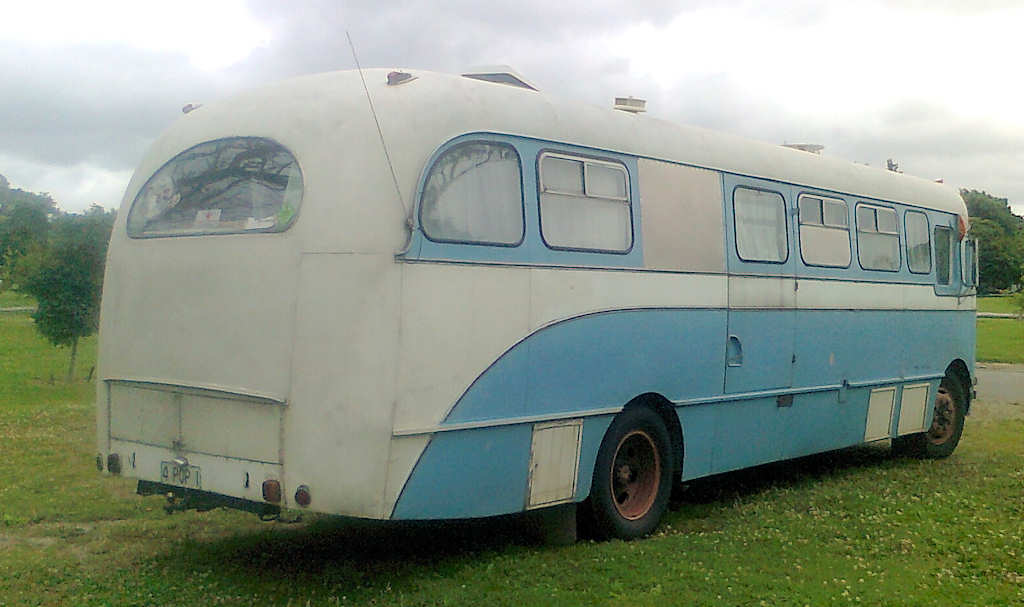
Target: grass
[(1000, 340), (855, 527), (13, 299), (998, 304)]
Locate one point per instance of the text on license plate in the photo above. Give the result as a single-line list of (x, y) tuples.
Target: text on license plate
[(185, 476)]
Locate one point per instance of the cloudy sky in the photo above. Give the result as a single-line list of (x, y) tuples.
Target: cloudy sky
[(934, 84)]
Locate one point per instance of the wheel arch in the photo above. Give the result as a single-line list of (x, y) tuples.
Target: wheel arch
[(663, 407), (958, 369)]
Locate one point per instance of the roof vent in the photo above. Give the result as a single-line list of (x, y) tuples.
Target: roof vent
[(813, 148), (501, 74), (631, 105), (395, 78)]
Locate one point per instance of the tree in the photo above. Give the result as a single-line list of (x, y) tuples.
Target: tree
[(66, 278), (1001, 233), (24, 222), (1001, 260), (985, 206)]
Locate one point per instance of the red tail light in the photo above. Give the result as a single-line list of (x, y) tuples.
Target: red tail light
[(272, 491)]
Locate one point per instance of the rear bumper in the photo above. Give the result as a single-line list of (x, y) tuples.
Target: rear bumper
[(229, 477), (180, 498)]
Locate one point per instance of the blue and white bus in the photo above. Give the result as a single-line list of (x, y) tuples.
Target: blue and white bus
[(437, 296)]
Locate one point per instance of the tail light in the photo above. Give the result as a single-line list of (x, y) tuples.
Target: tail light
[(272, 491), (302, 496)]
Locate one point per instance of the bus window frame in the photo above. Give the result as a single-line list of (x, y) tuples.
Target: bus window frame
[(906, 242), (426, 177), (285, 227), (972, 284), (800, 223), (735, 233), (584, 159), (951, 257), (899, 252)]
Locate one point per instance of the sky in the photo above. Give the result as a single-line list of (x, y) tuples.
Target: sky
[(935, 85)]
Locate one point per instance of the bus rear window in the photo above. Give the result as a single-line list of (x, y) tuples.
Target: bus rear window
[(227, 186)]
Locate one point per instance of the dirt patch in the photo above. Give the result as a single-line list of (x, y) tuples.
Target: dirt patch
[(989, 411), (1018, 368), (10, 541)]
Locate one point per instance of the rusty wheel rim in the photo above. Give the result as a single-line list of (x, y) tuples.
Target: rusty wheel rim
[(636, 474), (944, 420)]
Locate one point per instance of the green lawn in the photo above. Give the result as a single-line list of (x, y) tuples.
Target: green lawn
[(1000, 340), (13, 299), (855, 527), (999, 304)]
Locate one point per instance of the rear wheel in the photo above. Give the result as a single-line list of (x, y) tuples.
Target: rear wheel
[(941, 439), (632, 476)]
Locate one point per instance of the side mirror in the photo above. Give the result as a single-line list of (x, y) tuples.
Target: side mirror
[(969, 263)]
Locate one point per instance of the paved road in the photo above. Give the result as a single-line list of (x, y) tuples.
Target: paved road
[(1000, 383)]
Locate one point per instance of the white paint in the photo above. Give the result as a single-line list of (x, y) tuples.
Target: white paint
[(220, 474), (456, 320), (554, 454), (681, 217), (748, 292), (879, 420), (849, 295), (913, 409), (560, 294), (337, 433), (231, 427)]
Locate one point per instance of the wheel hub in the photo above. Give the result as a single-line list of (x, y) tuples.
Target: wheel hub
[(636, 475), (943, 421)]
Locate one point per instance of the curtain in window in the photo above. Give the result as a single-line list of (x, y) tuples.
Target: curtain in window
[(575, 222), (474, 194), (760, 225)]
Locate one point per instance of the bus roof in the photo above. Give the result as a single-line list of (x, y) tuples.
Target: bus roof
[(433, 107)]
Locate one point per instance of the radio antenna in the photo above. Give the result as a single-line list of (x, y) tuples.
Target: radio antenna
[(380, 133)]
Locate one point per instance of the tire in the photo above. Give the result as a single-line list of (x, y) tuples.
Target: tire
[(941, 439), (632, 476)]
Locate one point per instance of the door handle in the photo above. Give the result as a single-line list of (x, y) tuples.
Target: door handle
[(734, 352)]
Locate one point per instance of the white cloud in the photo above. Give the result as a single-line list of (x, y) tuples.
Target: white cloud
[(74, 187), (847, 59), (212, 34), (931, 83)]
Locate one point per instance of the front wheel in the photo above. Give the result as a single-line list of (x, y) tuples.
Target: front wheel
[(632, 476), (941, 439)]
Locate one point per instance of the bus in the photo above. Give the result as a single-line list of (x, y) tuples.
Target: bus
[(413, 295)]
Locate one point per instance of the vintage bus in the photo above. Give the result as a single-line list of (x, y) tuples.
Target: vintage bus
[(437, 296)]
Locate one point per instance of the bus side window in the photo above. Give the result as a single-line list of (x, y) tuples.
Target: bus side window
[(584, 204), (760, 225), (878, 241), (943, 255), (969, 262), (919, 249), (474, 194), (824, 231)]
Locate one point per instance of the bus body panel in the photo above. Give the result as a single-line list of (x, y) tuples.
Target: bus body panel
[(338, 430), (572, 368), (412, 378)]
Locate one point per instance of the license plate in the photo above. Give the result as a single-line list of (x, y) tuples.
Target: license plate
[(183, 476)]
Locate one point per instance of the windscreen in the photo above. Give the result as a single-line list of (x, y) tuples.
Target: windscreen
[(227, 186)]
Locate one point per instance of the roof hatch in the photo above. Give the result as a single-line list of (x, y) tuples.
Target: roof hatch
[(501, 74)]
